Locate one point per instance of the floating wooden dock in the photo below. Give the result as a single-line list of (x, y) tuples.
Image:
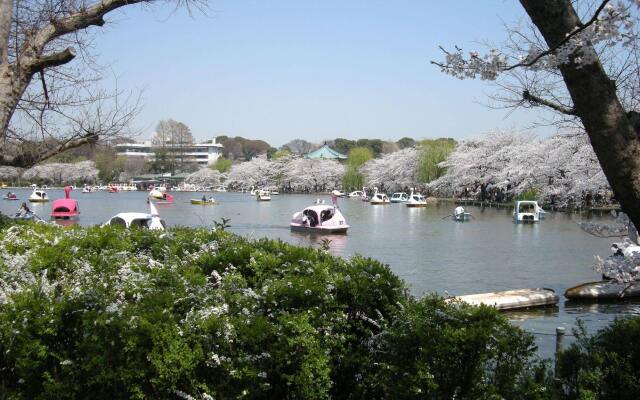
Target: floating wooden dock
[(512, 299)]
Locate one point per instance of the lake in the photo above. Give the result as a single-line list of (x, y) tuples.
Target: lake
[(432, 254)]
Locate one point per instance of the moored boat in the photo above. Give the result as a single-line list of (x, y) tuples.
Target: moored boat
[(512, 299), (604, 290), (65, 208), (399, 197), (416, 200), (324, 219)]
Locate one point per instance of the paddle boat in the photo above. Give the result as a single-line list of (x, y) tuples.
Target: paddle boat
[(399, 197), (112, 189), (165, 199), (10, 196), (379, 198), (357, 194), (65, 208), (274, 192), (128, 220), (86, 189), (416, 200), (338, 193), (526, 211), (324, 219), (263, 195), (38, 196), (156, 194), (204, 201), (460, 215), (253, 191), (221, 189)]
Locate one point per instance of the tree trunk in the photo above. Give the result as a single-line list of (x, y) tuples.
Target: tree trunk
[(6, 12), (611, 132)]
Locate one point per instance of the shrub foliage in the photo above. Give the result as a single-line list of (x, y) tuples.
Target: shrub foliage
[(108, 313)]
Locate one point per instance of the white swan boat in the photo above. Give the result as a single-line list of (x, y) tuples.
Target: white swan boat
[(416, 200), (128, 220), (263, 195), (399, 197), (319, 219), (38, 196), (379, 198), (526, 211)]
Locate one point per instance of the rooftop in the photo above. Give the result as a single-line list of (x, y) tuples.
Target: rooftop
[(327, 153)]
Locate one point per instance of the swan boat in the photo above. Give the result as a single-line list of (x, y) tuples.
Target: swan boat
[(128, 220), (65, 208), (416, 200), (38, 196), (379, 198), (319, 219), (263, 195)]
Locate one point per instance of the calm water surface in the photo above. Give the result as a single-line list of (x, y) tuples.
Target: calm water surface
[(430, 253)]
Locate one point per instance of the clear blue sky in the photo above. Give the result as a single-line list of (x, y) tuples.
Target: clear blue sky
[(279, 70)]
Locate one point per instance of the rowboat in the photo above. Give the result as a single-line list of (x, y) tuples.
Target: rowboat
[(604, 290), (208, 202), (512, 299)]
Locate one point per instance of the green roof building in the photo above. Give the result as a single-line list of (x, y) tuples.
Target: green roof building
[(327, 153)]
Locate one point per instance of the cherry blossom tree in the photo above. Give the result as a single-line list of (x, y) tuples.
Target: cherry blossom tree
[(58, 173), (287, 173), (205, 177), (394, 171), (562, 169), (581, 62)]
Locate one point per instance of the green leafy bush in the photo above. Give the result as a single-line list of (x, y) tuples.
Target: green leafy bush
[(195, 313), (603, 366)]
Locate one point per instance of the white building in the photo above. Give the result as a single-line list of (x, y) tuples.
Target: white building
[(203, 154)]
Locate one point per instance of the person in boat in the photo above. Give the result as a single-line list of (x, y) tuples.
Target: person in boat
[(204, 197), (458, 210), (23, 211)]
